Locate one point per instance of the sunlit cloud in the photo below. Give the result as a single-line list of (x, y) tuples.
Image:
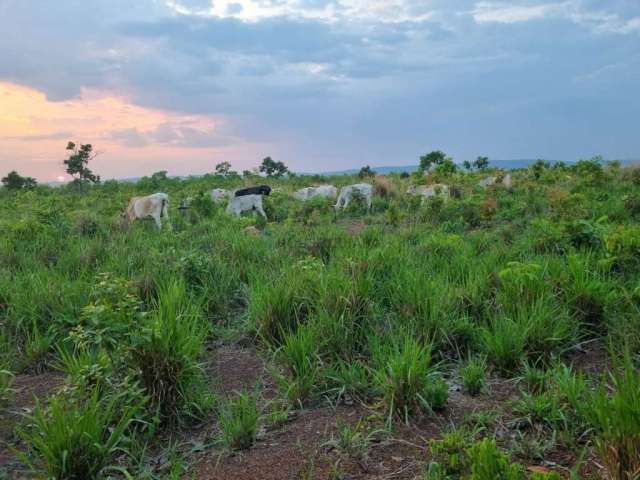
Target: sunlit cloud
[(131, 139)]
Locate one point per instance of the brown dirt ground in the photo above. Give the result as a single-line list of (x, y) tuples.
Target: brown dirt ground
[(27, 390), (299, 448)]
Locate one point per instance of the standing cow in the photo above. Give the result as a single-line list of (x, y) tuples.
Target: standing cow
[(322, 191), (346, 195), (427, 191), (154, 206), (246, 203)]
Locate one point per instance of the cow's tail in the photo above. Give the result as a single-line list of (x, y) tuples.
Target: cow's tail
[(165, 207)]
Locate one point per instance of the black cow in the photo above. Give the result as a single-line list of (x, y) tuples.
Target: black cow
[(259, 190)]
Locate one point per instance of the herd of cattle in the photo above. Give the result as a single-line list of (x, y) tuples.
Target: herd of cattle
[(156, 205)]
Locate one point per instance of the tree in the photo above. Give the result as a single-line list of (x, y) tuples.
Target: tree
[(366, 171), (430, 159), (467, 165), (224, 169), (481, 163), (77, 163), (15, 181), (447, 167), (272, 168)]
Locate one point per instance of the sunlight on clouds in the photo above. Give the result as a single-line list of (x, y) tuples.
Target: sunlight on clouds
[(34, 132)]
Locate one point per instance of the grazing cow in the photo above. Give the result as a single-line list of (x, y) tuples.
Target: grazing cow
[(505, 181), (219, 195), (322, 191), (426, 191), (259, 190), (346, 195), (237, 205), (155, 206)]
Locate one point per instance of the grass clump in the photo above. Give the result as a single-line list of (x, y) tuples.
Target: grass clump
[(165, 356), (473, 374), (615, 417), (404, 377), (238, 419), (76, 439)]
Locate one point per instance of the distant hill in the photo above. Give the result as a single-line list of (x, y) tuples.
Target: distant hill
[(503, 164)]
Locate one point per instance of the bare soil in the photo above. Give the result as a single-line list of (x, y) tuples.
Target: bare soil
[(28, 389)]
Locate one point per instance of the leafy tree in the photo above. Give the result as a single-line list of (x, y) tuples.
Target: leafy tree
[(447, 167), (159, 176), (272, 168), (15, 181), (366, 171), (431, 159), (481, 163), (224, 169), (538, 167), (467, 165), (78, 161)]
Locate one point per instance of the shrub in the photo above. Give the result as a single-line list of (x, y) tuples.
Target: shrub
[(238, 419), (76, 439)]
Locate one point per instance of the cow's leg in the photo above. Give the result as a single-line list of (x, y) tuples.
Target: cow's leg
[(369, 202), (345, 203), (165, 214), (260, 210), (156, 217)]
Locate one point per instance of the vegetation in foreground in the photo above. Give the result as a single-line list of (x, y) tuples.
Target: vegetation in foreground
[(405, 310)]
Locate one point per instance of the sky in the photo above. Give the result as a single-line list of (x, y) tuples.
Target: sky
[(181, 85)]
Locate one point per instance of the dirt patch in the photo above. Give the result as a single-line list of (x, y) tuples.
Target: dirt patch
[(354, 227), (233, 368), (27, 390)]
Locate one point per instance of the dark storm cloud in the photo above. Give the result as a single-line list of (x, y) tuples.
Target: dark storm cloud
[(527, 78)]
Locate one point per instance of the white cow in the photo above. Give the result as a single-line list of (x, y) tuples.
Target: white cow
[(426, 191), (322, 191), (346, 195), (219, 195), (237, 205), (489, 181), (155, 206)]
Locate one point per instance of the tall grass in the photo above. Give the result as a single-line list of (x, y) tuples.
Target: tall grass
[(166, 355), (615, 415), (76, 439)]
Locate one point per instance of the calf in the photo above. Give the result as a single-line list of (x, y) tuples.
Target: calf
[(155, 206)]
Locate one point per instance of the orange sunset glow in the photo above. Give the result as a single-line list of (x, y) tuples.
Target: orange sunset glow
[(131, 140)]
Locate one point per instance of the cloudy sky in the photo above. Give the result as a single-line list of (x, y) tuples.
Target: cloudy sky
[(181, 85)]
